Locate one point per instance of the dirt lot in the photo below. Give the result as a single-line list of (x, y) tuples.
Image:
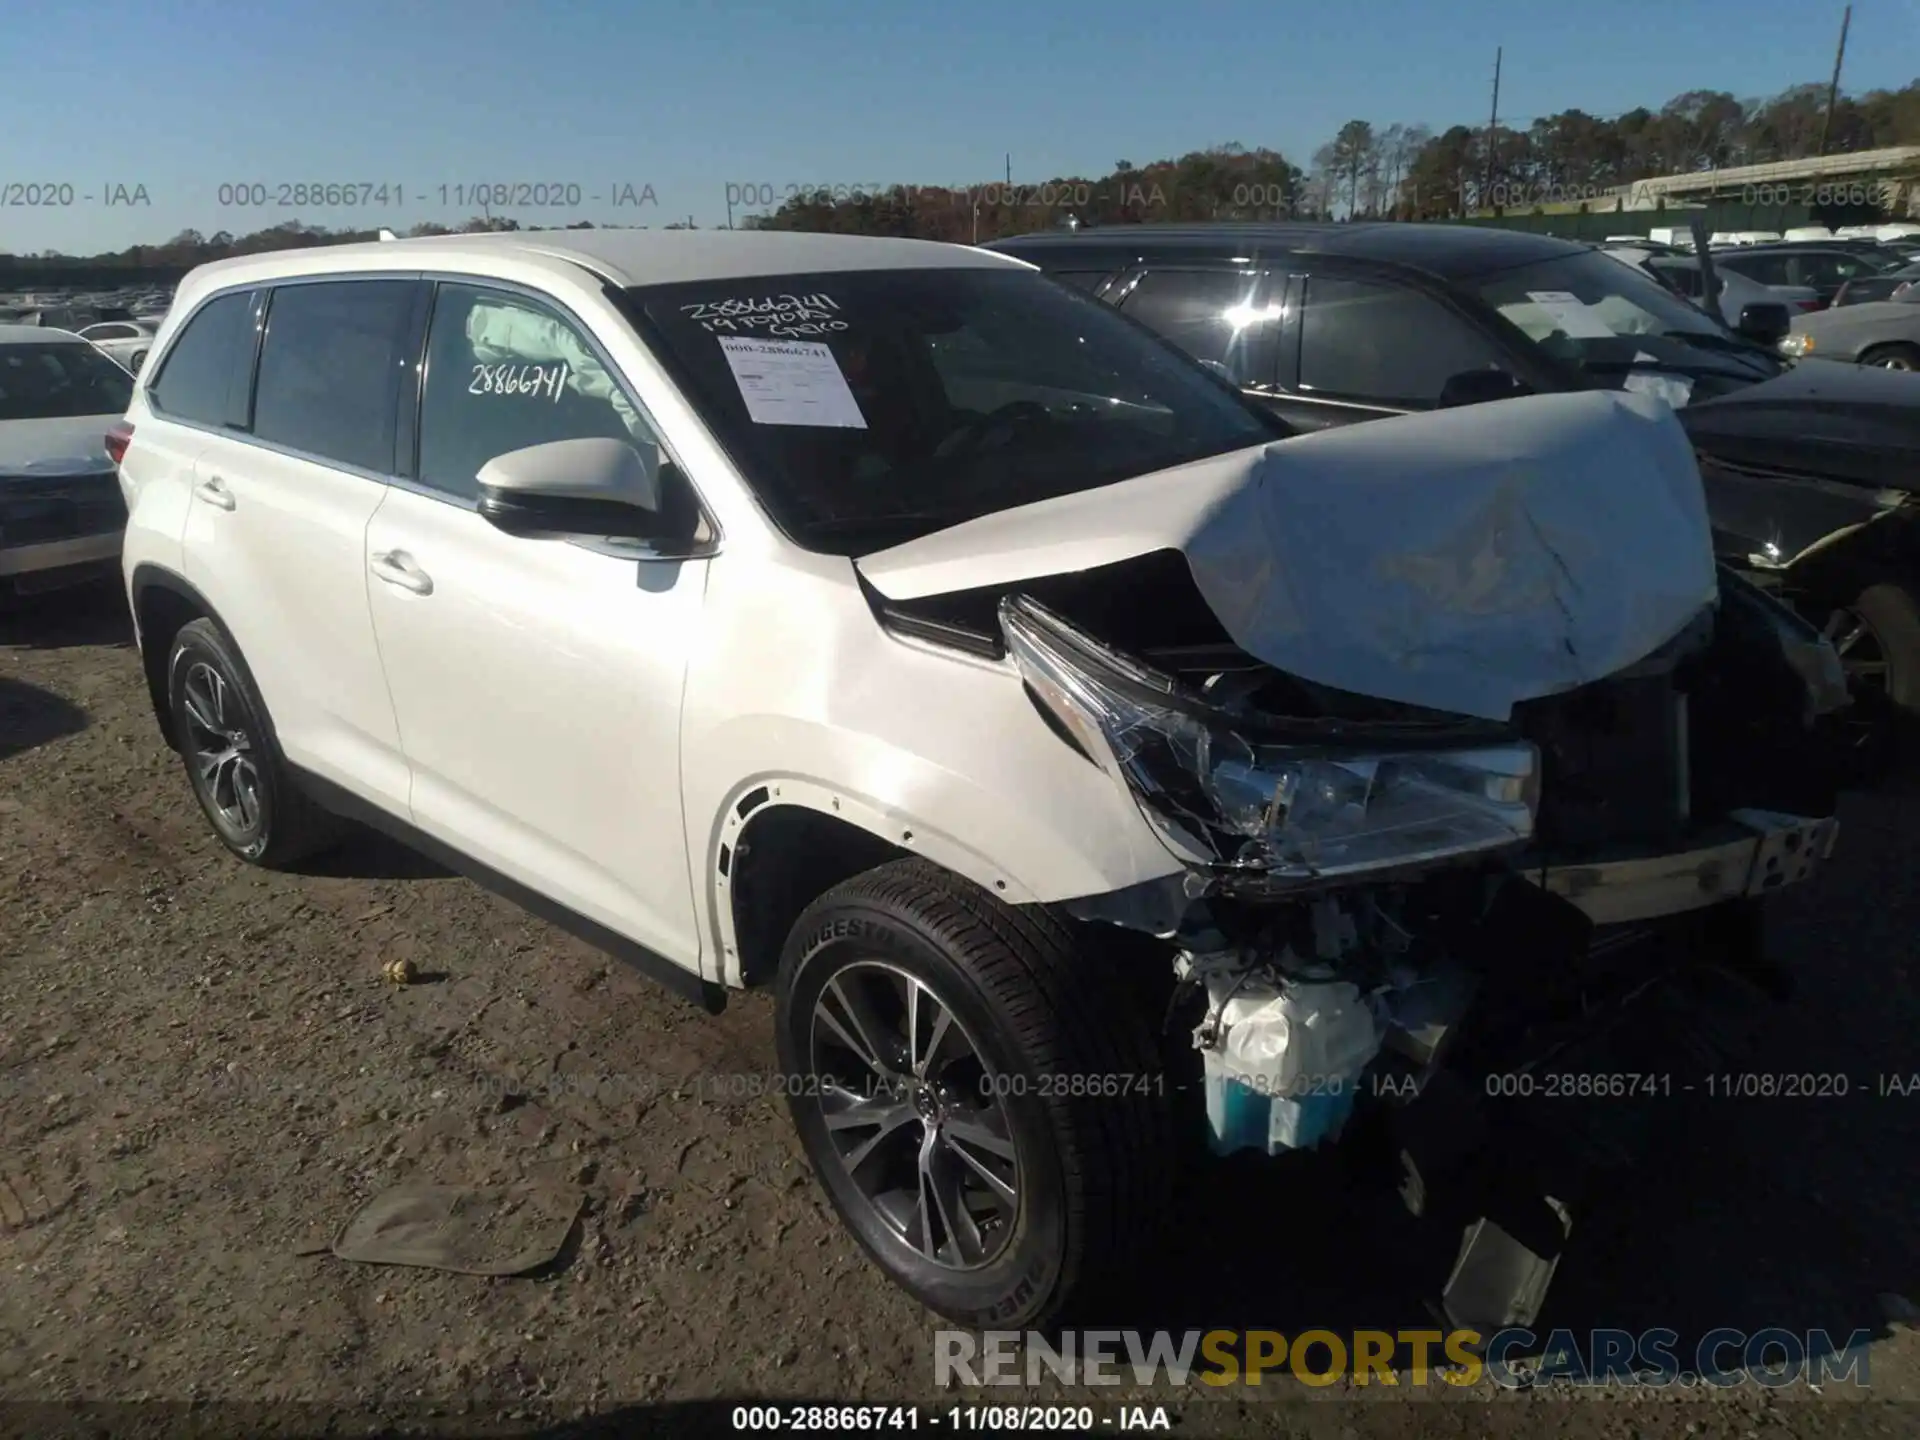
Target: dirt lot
[(202, 1073)]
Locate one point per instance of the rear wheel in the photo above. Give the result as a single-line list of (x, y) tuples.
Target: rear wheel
[(243, 785), (981, 1102), (1893, 357)]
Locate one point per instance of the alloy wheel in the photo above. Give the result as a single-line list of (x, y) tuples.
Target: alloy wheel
[(1862, 655), (223, 756), (913, 1114)]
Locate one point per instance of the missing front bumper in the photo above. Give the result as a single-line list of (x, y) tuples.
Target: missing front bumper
[(1756, 852)]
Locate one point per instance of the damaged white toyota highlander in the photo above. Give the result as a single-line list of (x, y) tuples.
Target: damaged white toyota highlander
[(1093, 770)]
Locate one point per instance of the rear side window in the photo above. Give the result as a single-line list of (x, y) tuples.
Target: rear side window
[(1767, 269), (329, 368), (1213, 315), (206, 366), (1385, 344)]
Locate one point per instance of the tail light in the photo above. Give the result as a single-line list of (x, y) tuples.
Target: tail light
[(119, 435), (1810, 304)]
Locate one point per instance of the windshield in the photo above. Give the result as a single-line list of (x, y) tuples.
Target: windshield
[(59, 380), (870, 407), (1623, 329)]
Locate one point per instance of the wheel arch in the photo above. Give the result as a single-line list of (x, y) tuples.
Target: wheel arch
[(163, 602), (1832, 567)]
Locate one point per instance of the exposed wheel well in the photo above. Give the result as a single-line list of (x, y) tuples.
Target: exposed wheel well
[(785, 858), (160, 611)]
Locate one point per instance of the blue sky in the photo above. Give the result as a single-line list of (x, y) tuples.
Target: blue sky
[(687, 96)]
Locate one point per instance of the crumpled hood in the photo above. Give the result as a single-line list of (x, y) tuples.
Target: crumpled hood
[(71, 446), (1463, 560)]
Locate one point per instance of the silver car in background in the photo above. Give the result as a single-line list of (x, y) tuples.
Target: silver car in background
[(1881, 332)]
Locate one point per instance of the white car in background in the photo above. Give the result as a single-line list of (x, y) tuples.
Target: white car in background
[(126, 341), (61, 511)]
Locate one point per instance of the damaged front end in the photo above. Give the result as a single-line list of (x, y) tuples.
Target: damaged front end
[(1397, 914)]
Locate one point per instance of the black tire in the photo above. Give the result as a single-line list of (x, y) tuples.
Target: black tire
[(139, 359), (1093, 1171), (281, 824), (1893, 357)]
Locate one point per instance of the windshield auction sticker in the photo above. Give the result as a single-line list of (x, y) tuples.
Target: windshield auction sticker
[(1571, 314), (792, 382)]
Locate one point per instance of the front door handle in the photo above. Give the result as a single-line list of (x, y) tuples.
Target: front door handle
[(396, 567), (214, 491)]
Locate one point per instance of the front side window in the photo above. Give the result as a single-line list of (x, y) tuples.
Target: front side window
[(329, 367), (505, 372), (1213, 315), (59, 380), (869, 407), (108, 332), (207, 363), (1386, 344)]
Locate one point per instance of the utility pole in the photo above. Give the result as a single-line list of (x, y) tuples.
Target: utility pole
[(1009, 169), (1833, 89), (1493, 126)]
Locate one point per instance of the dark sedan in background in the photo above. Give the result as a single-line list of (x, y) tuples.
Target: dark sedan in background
[(1812, 471)]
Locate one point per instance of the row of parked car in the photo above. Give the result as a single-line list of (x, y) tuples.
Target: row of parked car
[(1103, 743)]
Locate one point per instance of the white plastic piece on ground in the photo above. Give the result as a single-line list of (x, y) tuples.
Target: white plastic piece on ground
[(1286, 1064), (1463, 560)]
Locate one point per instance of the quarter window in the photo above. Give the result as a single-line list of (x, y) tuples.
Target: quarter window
[(503, 373), (1213, 316), (205, 368)]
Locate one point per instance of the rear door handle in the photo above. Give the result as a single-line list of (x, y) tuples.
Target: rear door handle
[(214, 491), (396, 567)]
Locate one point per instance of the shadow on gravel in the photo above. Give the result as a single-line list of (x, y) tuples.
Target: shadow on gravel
[(94, 614), (1779, 1196), (30, 716), (368, 855)]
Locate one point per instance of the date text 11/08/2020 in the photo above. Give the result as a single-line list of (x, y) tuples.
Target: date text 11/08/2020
[(896, 1419), (478, 194)]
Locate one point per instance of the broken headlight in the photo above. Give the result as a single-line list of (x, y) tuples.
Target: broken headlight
[(1230, 790)]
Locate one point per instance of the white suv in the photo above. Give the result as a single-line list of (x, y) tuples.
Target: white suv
[(884, 622)]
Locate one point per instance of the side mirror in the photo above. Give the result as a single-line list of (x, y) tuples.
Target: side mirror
[(1477, 387), (1764, 323), (575, 489)]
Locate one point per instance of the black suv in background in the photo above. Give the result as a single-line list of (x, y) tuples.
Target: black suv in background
[(1812, 470)]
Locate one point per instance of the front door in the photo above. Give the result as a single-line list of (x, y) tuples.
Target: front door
[(537, 682)]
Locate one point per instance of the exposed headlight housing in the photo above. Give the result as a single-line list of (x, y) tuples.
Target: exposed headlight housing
[(1229, 793)]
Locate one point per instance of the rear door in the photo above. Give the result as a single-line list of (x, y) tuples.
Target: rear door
[(276, 532)]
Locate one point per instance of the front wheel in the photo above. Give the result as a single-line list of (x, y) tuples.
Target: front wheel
[(1893, 357), (982, 1104), (1877, 635)]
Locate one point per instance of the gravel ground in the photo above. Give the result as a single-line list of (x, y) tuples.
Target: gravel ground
[(203, 1073)]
